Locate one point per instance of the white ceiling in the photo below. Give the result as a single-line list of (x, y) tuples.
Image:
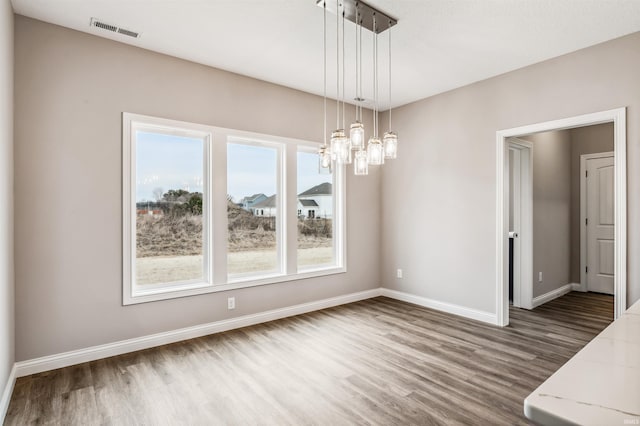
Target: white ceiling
[(437, 45)]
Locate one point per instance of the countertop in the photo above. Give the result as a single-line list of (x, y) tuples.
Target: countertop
[(600, 385)]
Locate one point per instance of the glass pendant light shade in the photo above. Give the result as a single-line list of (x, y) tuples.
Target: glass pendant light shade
[(357, 136), (324, 156), (360, 163), (390, 142), (375, 152), (337, 137), (338, 142), (345, 154)]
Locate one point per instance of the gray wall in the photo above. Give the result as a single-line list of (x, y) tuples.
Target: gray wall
[(6, 194), (71, 89), (445, 239), (551, 209), (584, 140)]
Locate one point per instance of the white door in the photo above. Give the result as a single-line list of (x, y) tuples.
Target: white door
[(600, 225)]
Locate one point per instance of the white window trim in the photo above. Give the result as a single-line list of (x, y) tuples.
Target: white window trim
[(214, 281), (131, 292)]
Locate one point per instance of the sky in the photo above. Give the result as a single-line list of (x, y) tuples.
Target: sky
[(166, 162), (252, 170), (308, 175)]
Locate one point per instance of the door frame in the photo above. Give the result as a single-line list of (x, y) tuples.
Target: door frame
[(618, 118), (523, 222), (583, 213)]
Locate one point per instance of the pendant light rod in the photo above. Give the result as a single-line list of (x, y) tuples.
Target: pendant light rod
[(358, 74), (343, 73), (365, 12), (375, 79), (389, 129), (337, 65), (324, 71), (360, 95)]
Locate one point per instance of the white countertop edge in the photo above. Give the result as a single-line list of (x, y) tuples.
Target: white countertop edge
[(540, 416)]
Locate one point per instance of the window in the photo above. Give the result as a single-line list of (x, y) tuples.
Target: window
[(167, 217), (253, 170), (283, 220), (169, 210), (315, 195)]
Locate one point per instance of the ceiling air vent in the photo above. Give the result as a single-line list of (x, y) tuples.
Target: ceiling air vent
[(128, 33), (113, 28)]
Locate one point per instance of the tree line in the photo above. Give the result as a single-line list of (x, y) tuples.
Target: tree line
[(175, 202)]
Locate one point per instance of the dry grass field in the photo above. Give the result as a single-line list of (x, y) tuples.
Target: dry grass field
[(180, 268), (169, 248), (168, 236)]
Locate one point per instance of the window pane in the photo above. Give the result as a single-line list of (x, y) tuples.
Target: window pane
[(252, 182), (169, 208), (315, 213)]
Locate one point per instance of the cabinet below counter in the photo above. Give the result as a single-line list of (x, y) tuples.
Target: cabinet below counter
[(600, 385)]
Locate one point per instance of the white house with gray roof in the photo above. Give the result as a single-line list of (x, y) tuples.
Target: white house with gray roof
[(250, 201), (316, 202), (320, 195), (266, 207)]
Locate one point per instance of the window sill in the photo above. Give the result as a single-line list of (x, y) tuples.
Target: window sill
[(144, 296), (251, 281)]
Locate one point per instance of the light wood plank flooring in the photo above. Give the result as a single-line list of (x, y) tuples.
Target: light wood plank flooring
[(378, 361)]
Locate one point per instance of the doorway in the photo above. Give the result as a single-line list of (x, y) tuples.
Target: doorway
[(615, 262)]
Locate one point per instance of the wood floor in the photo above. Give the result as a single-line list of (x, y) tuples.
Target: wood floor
[(378, 361)]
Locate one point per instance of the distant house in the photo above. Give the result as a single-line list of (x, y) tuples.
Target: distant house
[(307, 209), (322, 196), (150, 212), (148, 208), (316, 202), (266, 207), (248, 202)]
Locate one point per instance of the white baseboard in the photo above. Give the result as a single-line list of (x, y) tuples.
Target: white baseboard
[(6, 394), (577, 287), (51, 362), (553, 294), (449, 308)]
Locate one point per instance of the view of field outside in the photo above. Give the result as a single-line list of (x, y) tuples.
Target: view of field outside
[(169, 209), (169, 178), (315, 213), (251, 209)]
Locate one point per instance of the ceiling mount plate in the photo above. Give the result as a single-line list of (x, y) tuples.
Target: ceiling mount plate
[(366, 14)]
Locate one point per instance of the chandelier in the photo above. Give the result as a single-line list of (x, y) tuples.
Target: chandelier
[(351, 148)]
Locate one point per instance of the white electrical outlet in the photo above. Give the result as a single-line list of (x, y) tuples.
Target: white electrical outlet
[(231, 303), (399, 273), (540, 277)]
